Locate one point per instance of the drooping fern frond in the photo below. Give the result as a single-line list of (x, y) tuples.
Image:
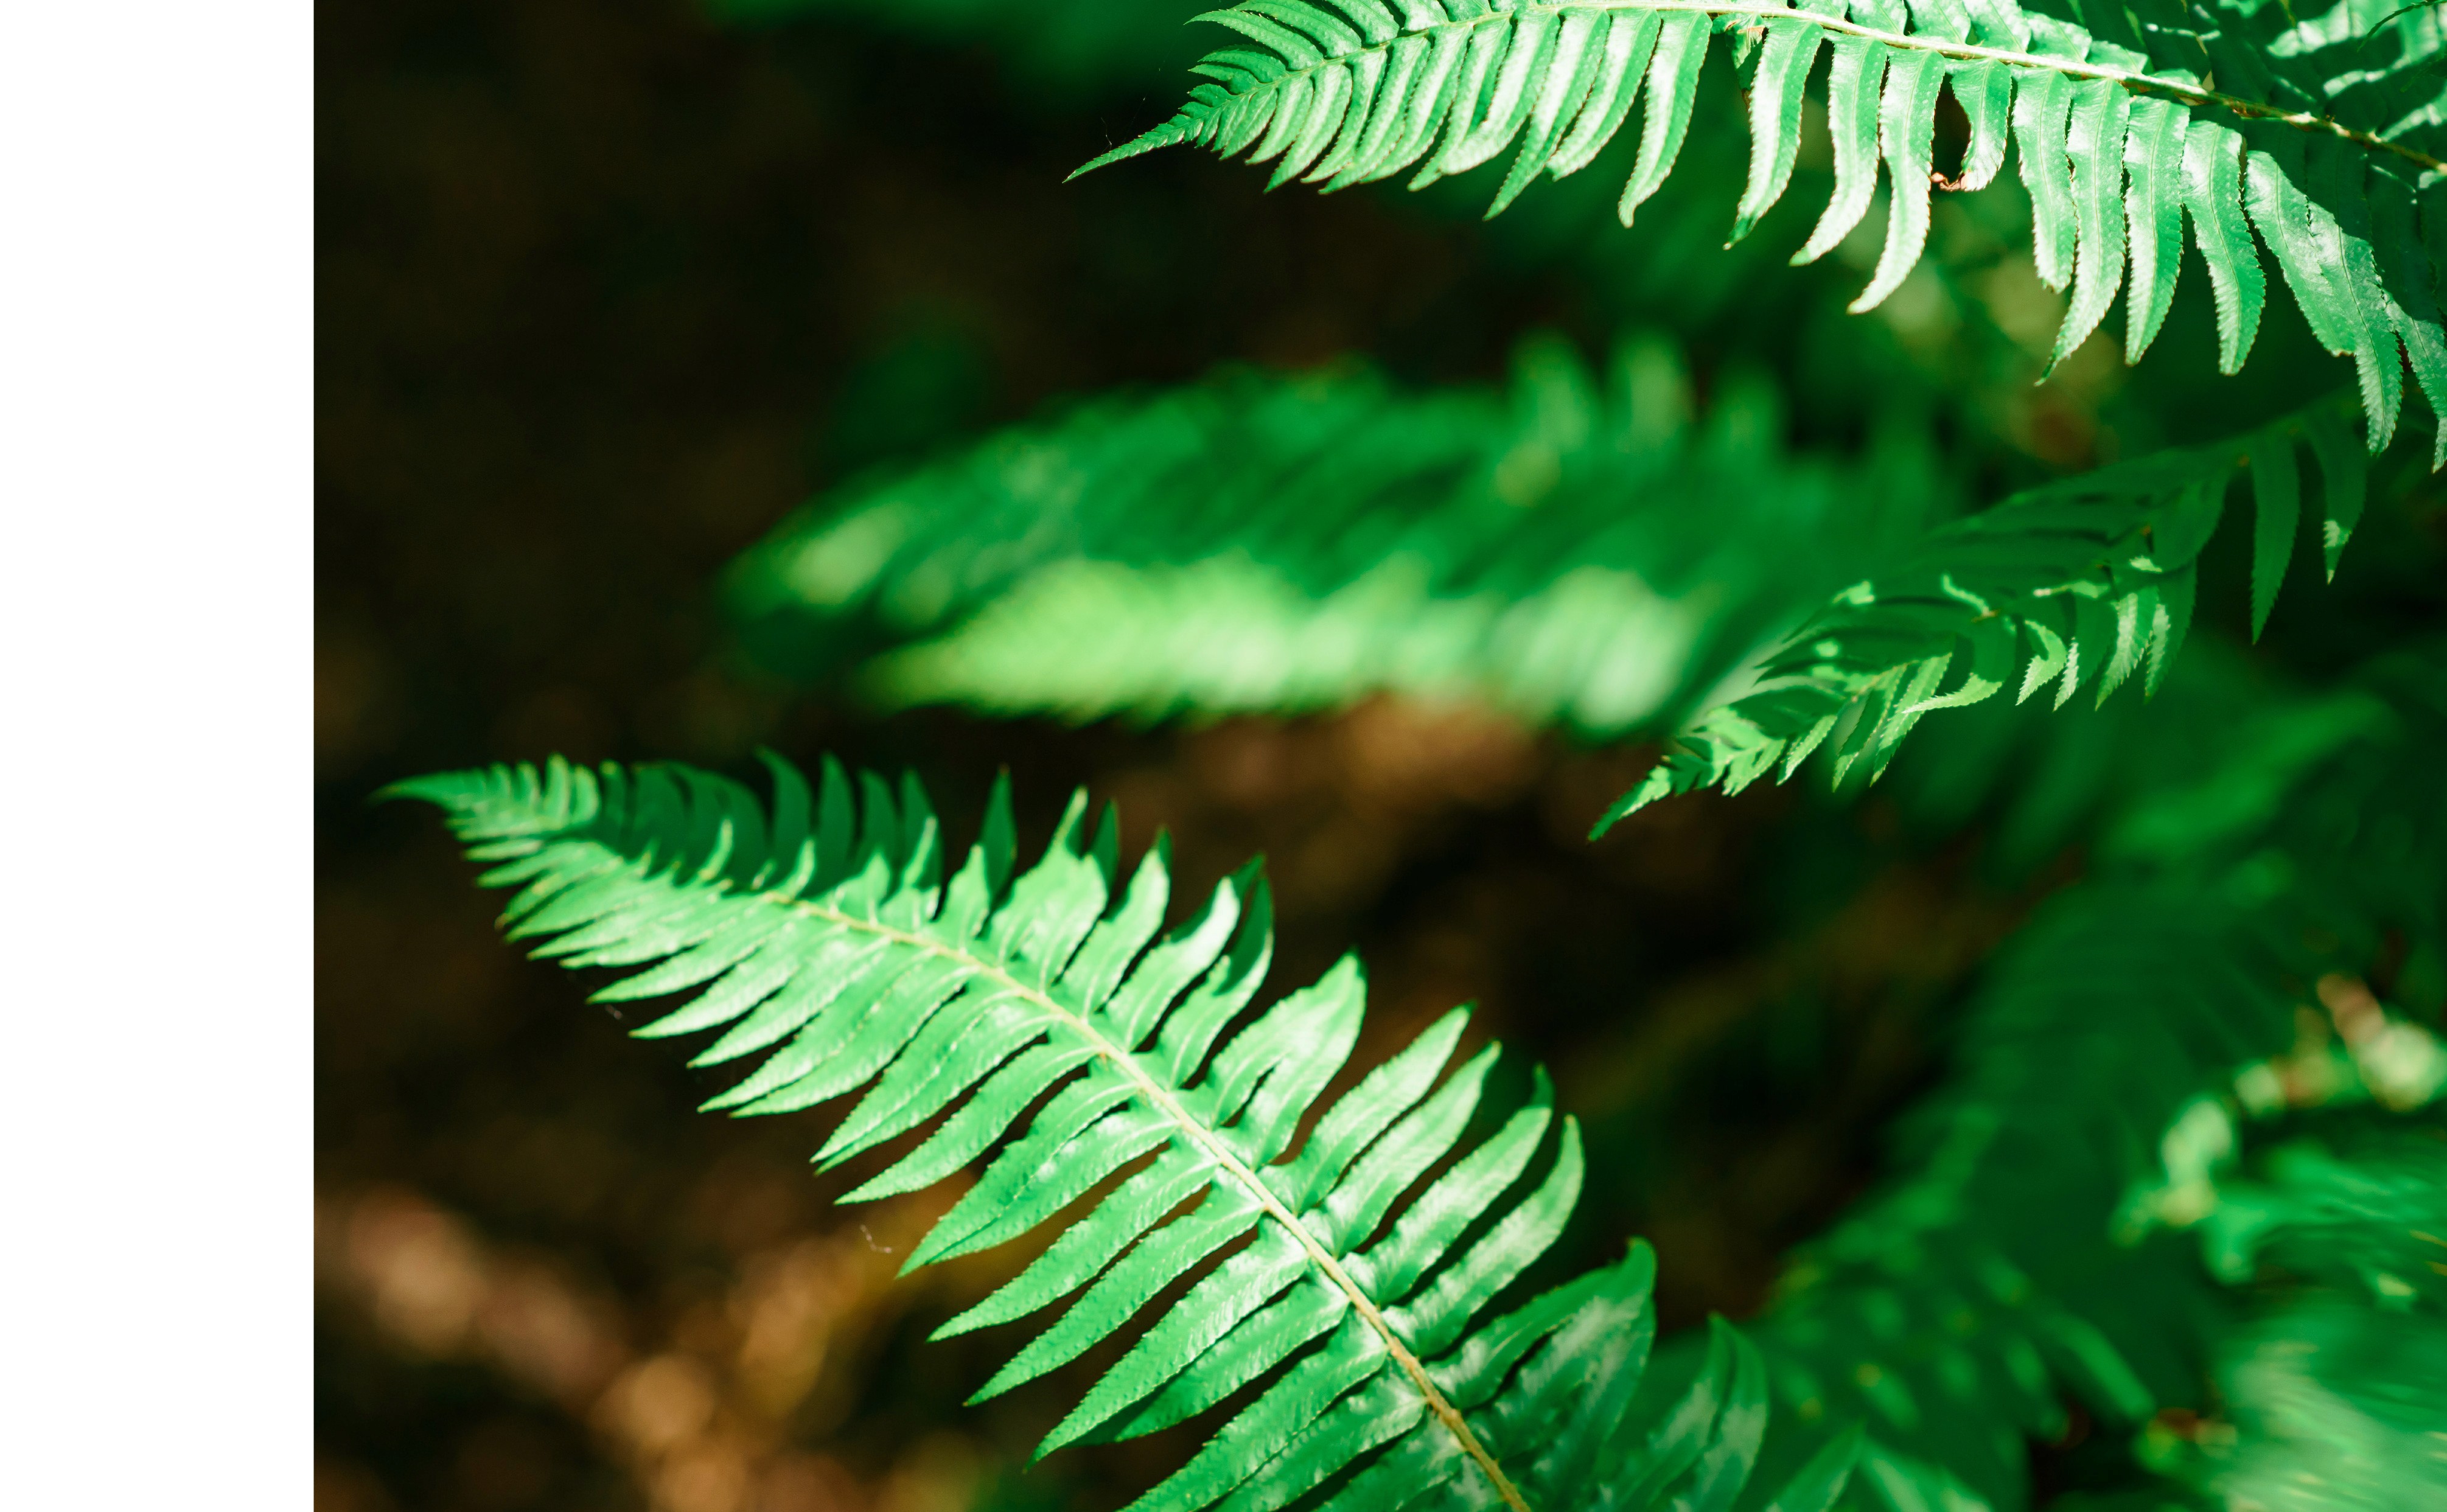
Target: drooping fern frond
[(2077, 585), (2322, 136), (1594, 556), (1038, 1014)]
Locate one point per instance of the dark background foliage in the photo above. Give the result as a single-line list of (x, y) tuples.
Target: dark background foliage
[(605, 290)]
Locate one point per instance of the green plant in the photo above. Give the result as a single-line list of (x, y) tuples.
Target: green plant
[(2184, 1170), (2330, 145)]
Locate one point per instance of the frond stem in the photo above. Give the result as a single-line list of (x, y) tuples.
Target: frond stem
[(1165, 1103)]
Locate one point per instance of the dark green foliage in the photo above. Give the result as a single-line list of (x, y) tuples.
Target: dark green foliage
[(2012, 1260), (2317, 139), (1574, 554), (825, 936)]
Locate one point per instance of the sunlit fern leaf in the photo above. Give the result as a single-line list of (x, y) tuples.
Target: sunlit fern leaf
[(2322, 136), (2082, 585), (1577, 553), (1037, 1010)]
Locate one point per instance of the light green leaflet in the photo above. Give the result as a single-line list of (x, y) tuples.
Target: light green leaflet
[(2322, 138), (1047, 1017), (2077, 585)]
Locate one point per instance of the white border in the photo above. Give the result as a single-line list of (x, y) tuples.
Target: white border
[(156, 561)]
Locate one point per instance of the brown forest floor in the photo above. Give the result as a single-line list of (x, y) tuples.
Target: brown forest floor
[(603, 292)]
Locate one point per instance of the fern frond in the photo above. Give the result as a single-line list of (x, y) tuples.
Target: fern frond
[(1038, 1011), (2085, 584), (2321, 138), (1591, 555)]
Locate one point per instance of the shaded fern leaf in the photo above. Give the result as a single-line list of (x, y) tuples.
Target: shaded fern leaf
[(2322, 138), (2001, 1270), (2081, 585), (1571, 553), (824, 936)]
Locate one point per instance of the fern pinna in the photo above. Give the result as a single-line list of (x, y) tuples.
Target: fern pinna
[(2322, 136), (826, 936)]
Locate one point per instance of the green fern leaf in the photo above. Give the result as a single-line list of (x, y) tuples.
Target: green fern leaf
[(826, 933), (1570, 553), (2076, 585), (2317, 136)]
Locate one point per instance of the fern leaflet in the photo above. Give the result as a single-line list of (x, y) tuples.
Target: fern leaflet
[(824, 936), (2324, 146), (2080, 584)]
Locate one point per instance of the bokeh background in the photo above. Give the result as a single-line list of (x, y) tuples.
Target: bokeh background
[(607, 288)]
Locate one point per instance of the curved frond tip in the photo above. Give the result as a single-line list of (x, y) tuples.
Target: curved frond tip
[(2327, 142), (1045, 1015)]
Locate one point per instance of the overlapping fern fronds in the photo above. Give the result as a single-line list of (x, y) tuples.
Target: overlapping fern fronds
[(1593, 556), (2321, 135), (2098, 1077), (1039, 1013), (1945, 1317), (2080, 585)]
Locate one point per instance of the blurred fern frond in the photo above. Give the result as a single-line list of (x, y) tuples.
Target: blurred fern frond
[(2333, 1396), (1040, 1007), (2321, 143), (2327, 1406), (2076, 586), (1594, 556)]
